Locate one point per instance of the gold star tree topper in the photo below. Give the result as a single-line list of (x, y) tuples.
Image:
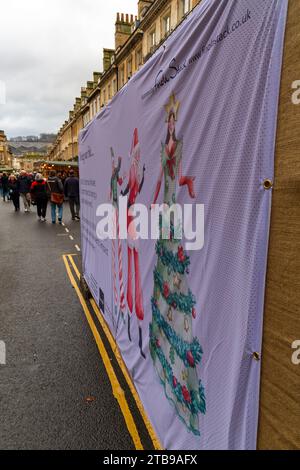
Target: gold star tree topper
[(172, 107)]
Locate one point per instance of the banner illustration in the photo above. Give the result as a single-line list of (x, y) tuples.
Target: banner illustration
[(194, 127)]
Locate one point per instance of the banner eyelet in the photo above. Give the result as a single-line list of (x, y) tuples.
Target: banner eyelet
[(256, 356), (267, 184)]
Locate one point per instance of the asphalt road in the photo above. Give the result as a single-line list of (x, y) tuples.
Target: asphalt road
[(54, 390)]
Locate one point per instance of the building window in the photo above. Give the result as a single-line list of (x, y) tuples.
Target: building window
[(166, 24), (129, 68), (104, 97), (109, 92), (122, 75), (115, 86), (184, 7), (86, 119), (139, 58), (152, 40)]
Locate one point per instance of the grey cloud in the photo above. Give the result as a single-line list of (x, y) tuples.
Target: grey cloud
[(48, 50)]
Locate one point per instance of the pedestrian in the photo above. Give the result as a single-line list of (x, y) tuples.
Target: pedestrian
[(24, 183), (14, 194), (72, 193), (56, 196), (4, 181), (39, 194), (63, 178)]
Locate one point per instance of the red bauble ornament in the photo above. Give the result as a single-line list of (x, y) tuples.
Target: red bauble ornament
[(190, 358), (194, 313), (157, 343), (175, 383), (166, 290), (186, 394), (180, 254)]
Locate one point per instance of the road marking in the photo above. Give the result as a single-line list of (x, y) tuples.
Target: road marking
[(67, 230), (118, 392), (2, 353), (77, 247), (116, 351), (74, 266), (71, 238), (63, 224)]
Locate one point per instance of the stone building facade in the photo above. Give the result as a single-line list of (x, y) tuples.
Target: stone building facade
[(136, 39), (5, 153)]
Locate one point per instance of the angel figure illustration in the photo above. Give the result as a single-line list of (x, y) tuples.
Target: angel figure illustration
[(117, 260), (175, 352)]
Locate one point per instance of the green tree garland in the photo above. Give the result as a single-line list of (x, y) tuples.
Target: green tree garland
[(183, 349), (170, 260), (193, 400), (180, 302)]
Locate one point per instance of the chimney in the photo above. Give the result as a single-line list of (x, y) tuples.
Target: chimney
[(143, 6), (83, 95), (123, 29), (77, 104), (107, 56), (96, 76), (89, 85)]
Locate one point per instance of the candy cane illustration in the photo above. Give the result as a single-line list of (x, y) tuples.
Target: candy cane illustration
[(114, 197)]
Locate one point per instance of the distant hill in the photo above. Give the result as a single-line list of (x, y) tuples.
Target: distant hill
[(43, 138), (21, 148)]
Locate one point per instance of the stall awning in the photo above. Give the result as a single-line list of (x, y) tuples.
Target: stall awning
[(61, 163)]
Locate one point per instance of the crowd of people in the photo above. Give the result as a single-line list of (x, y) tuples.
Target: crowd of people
[(35, 190)]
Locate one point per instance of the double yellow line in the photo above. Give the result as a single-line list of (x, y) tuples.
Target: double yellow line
[(118, 392)]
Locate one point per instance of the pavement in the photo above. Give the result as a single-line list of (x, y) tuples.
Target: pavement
[(54, 388)]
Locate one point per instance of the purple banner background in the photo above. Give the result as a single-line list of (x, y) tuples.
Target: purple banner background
[(226, 78)]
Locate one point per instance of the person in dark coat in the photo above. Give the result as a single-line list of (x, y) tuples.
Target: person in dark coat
[(56, 189), (72, 193), (24, 184), (63, 178), (39, 194), (4, 181), (14, 192)]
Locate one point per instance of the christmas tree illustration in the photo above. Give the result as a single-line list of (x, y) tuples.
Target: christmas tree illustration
[(175, 352)]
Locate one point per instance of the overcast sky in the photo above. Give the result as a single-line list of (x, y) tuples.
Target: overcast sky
[(48, 50)]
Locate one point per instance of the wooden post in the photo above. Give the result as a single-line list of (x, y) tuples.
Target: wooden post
[(280, 385)]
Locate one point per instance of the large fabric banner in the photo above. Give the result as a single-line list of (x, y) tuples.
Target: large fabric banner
[(182, 290)]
